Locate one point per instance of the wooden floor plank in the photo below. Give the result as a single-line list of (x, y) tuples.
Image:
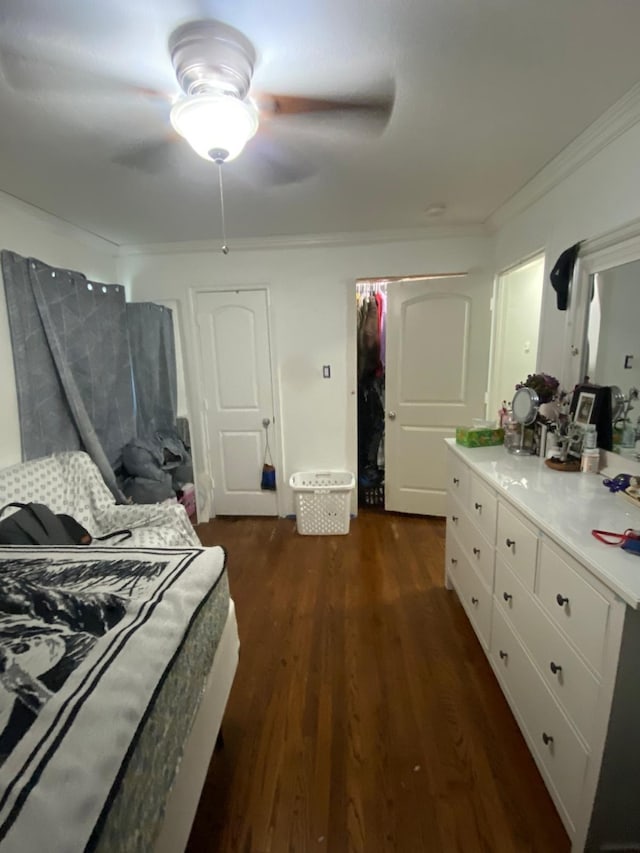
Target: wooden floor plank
[(364, 717)]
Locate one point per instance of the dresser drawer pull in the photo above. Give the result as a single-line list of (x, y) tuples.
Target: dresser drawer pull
[(454, 562), (478, 506), (476, 551), (562, 600), (555, 668), (547, 739), (454, 518), (474, 601), (503, 655), (507, 596), (510, 543), (456, 481)]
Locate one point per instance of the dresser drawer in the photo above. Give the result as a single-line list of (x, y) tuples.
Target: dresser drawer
[(473, 595), (454, 511), (483, 507), (573, 603), (567, 676), (452, 552), (458, 479), (479, 552), (561, 755), (517, 544)]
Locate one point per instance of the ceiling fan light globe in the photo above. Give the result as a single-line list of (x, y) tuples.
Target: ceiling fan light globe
[(214, 122)]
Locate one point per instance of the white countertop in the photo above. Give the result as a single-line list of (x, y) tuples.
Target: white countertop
[(567, 507)]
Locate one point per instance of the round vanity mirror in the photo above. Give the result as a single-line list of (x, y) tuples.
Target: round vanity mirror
[(617, 403), (524, 407)]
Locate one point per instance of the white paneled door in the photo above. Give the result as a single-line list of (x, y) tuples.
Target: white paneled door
[(238, 395), (438, 332)]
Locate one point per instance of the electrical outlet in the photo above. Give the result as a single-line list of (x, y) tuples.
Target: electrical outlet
[(326, 371)]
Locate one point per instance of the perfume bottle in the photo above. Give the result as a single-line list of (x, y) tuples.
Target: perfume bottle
[(590, 440), (628, 436)]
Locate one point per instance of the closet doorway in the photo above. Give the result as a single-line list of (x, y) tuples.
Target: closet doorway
[(434, 354), (371, 312)]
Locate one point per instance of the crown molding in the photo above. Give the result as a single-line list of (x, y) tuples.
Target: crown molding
[(310, 241), (57, 223), (611, 249), (619, 118), (629, 232)]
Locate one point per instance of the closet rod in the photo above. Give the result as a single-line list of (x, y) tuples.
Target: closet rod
[(366, 287)]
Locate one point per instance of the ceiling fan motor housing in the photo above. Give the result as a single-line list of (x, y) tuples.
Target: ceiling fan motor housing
[(218, 155), (212, 56)]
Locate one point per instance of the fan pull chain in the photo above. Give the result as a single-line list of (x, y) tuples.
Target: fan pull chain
[(225, 248)]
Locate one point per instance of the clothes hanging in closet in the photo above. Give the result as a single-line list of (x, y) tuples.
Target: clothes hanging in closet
[(371, 316), (368, 339)]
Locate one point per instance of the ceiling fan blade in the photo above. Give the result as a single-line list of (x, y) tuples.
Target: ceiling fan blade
[(373, 111), (153, 158), (38, 77), (80, 49), (271, 161)]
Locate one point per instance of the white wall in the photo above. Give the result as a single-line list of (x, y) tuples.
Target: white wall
[(29, 232), (312, 308), (600, 195)]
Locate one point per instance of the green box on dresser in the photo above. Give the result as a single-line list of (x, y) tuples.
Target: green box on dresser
[(479, 436)]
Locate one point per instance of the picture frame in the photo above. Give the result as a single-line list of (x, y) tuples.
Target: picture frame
[(591, 404), (585, 406)]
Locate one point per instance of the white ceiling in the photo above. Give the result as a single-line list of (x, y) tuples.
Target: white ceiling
[(487, 92)]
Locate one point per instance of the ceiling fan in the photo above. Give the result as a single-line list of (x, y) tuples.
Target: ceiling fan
[(213, 65), (218, 112)]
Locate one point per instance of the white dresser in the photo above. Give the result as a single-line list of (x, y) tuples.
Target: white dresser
[(557, 613)]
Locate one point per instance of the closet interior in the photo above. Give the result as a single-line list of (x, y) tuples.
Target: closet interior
[(371, 296)]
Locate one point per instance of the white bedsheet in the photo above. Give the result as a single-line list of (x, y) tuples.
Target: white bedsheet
[(69, 482)]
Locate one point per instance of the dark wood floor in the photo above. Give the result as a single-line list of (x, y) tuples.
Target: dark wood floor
[(364, 715)]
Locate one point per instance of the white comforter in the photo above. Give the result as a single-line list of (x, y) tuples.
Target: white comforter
[(86, 636)]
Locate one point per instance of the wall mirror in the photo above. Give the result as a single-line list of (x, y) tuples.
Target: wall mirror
[(605, 306), (604, 313), (612, 351)]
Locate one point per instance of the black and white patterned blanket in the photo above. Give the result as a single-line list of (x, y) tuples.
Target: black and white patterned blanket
[(86, 636)]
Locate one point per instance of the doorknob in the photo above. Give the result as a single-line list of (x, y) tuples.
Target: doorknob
[(265, 422), (392, 416)]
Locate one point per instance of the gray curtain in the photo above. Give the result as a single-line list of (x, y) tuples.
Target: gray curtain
[(72, 363), (153, 363)]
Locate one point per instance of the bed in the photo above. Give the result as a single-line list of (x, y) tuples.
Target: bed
[(105, 654)]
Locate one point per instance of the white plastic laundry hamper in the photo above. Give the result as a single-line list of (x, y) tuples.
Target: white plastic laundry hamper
[(323, 500)]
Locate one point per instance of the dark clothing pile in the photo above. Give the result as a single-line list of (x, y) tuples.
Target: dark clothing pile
[(155, 467)]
